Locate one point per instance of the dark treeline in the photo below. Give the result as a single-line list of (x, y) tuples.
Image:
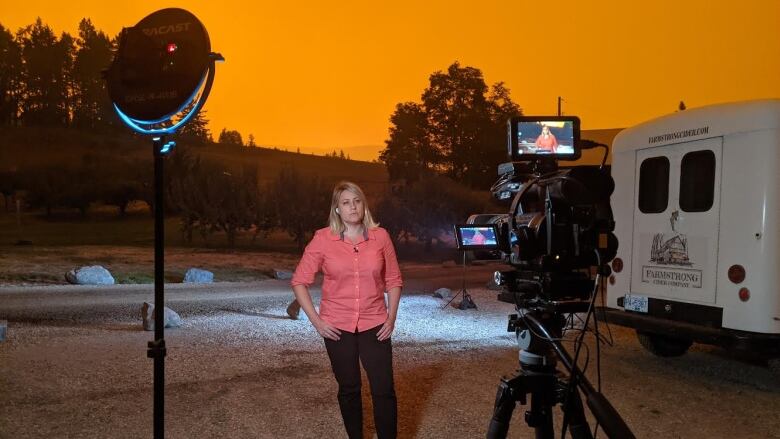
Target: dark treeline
[(210, 198), (56, 81), (457, 129), (53, 80), (440, 153), (220, 199)]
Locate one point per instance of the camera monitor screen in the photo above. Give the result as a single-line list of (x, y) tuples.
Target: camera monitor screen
[(537, 137), (476, 236)]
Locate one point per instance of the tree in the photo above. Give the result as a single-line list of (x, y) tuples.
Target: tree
[(229, 200), (230, 138), (458, 129), (10, 77), (251, 141), (302, 203), (395, 214), (46, 74), (501, 108), (197, 128), (457, 108), (92, 106), (435, 203), (56, 187), (409, 152), (266, 213), (213, 198), (9, 185), (183, 197), (120, 181)]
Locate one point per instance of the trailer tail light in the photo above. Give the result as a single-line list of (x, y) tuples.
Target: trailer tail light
[(744, 294), (617, 265), (737, 274), (612, 279)]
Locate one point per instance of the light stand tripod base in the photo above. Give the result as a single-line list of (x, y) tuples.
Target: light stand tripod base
[(467, 302)]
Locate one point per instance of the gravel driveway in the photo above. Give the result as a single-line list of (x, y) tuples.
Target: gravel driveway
[(74, 366)]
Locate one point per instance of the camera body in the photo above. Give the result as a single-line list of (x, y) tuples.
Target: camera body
[(559, 225)]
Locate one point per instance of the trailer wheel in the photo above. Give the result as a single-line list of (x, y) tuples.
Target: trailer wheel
[(662, 345)]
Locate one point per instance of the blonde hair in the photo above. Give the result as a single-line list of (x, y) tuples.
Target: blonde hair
[(334, 220)]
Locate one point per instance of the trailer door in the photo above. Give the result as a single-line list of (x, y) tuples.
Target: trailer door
[(676, 221)]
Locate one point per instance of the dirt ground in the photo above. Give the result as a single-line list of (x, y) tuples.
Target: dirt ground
[(74, 366)]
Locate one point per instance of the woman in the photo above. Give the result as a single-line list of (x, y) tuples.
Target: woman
[(478, 238), (359, 263), (546, 141)]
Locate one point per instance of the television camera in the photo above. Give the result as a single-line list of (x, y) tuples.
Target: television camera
[(556, 239)]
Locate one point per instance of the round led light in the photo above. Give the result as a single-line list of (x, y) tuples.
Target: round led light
[(617, 265), (744, 294), (737, 273)]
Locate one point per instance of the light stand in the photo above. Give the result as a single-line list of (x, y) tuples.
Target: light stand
[(154, 78), (467, 302)]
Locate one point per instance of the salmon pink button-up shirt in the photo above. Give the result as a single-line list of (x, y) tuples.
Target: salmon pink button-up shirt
[(356, 277)]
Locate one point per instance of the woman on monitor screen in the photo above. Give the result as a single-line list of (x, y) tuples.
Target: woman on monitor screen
[(478, 238), (546, 141)]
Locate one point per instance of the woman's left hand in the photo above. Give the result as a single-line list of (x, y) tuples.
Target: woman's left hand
[(386, 330)]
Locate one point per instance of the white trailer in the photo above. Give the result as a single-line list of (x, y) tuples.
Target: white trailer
[(697, 212)]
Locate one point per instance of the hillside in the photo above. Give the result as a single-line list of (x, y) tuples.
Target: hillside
[(371, 176), (27, 148)]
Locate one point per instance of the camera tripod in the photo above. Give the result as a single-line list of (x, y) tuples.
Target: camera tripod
[(538, 334), (467, 302)]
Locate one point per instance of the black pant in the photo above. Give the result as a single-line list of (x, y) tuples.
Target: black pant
[(377, 359)]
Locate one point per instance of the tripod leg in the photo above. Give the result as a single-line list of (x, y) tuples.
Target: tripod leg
[(502, 412), (453, 298), (578, 427), (540, 416)]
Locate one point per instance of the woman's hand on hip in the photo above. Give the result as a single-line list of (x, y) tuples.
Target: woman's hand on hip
[(386, 330), (326, 330)]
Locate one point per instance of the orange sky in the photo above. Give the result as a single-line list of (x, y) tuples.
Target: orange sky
[(328, 74)]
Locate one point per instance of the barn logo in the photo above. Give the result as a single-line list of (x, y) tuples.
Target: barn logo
[(672, 259), (671, 251)]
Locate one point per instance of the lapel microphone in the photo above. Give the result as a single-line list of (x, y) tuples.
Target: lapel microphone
[(355, 248)]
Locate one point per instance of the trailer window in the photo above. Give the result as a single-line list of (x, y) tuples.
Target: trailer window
[(654, 185), (697, 181)]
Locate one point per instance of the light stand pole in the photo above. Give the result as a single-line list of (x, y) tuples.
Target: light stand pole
[(156, 348)]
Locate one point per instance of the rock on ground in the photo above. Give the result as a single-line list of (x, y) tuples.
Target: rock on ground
[(171, 319), (198, 276), (91, 275)]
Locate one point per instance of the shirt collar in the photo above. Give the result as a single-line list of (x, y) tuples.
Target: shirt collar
[(367, 234)]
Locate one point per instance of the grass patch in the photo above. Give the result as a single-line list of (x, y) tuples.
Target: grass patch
[(134, 278), (31, 278), (144, 277)]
